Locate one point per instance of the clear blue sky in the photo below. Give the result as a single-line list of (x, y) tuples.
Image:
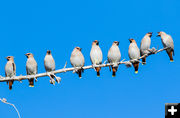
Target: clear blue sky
[(35, 26)]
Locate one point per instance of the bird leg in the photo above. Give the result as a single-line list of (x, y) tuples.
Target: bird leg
[(52, 81), (75, 70), (115, 65), (58, 79), (94, 66), (128, 64)]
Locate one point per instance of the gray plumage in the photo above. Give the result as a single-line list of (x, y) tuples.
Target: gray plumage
[(167, 41), (134, 53), (96, 55), (10, 69), (49, 65), (49, 62), (114, 56), (31, 68), (145, 45), (77, 60)]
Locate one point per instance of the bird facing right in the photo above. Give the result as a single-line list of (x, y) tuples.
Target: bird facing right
[(31, 67), (134, 53), (145, 45), (96, 56), (167, 41), (114, 56), (10, 70), (77, 60)]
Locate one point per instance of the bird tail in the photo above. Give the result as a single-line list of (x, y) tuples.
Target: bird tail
[(10, 85), (170, 54), (31, 82), (79, 73), (114, 70), (98, 71), (144, 61), (136, 66), (52, 76)]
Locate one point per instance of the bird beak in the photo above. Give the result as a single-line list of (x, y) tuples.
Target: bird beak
[(158, 34), (129, 40), (80, 49)]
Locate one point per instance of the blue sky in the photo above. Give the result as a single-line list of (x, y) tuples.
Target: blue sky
[(36, 26)]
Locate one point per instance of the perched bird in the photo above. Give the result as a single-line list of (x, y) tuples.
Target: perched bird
[(77, 60), (31, 67), (114, 56), (10, 69), (167, 41), (134, 53), (49, 63), (145, 45), (96, 56)]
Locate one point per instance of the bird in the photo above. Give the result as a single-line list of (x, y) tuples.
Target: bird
[(134, 53), (145, 45), (77, 60), (114, 56), (49, 63), (96, 56), (10, 70), (31, 67), (167, 41)]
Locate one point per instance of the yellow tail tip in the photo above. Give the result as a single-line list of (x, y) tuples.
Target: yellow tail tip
[(113, 76), (136, 72), (98, 75), (31, 85), (171, 60)]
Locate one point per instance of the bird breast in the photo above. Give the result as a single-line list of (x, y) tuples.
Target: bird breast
[(133, 52), (49, 63), (96, 55), (77, 59), (114, 54), (9, 69), (31, 66)]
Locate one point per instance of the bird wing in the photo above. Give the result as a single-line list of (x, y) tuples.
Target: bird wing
[(14, 68)]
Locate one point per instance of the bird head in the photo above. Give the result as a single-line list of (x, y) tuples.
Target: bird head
[(10, 58), (149, 34), (116, 43), (78, 48), (29, 55), (161, 33), (132, 40), (48, 52), (96, 42)]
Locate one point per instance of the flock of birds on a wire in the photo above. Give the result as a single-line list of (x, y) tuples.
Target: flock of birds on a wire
[(96, 56)]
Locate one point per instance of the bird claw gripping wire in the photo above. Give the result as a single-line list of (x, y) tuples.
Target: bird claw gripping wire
[(128, 64), (115, 65)]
